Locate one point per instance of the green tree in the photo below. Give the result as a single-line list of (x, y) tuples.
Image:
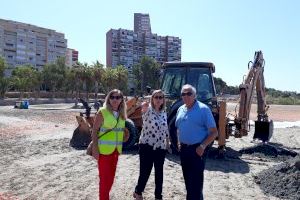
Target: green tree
[(98, 72), (4, 82), (220, 85), (122, 78), (115, 78), (109, 79), (54, 75), (70, 82), (146, 73), (24, 78), (88, 80), (4, 86), (3, 66)]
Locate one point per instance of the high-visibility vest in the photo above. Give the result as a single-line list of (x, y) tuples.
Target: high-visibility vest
[(113, 139)]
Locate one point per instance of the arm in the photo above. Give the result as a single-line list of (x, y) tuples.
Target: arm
[(97, 124), (178, 143), (213, 133)]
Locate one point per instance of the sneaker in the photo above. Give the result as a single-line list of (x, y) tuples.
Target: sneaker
[(138, 196)]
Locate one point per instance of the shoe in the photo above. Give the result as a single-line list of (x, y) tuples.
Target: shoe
[(138, 196)]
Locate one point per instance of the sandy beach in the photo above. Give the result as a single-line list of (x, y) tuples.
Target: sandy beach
[(36, 161)]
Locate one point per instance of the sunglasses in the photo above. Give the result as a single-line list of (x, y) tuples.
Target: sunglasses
[(158, 97), (115, 97), (186, 94)]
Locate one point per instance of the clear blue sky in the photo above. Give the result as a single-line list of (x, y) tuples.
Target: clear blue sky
[(226, 33)]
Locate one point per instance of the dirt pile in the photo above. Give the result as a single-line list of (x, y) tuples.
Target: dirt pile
[(269, 151), (282, 181)]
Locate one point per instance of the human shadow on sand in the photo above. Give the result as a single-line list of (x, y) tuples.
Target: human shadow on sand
[(230, 162), (132, 151)]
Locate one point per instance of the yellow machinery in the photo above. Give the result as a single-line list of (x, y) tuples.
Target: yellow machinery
[(200, 75)]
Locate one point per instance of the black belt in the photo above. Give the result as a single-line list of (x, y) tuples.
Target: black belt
[(189, 145)]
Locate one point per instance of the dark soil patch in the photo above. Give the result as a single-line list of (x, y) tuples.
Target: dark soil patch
[(269, 151), (282, 181)]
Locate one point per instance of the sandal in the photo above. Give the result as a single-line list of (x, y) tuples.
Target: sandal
[(138, 196)]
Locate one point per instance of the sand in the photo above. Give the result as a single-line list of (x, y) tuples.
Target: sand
[(36, 162)]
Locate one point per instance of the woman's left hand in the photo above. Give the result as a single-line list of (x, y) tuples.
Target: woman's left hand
[(95, 152), (126, 135)]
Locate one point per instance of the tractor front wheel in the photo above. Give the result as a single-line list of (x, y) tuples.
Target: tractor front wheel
[(133, 135)]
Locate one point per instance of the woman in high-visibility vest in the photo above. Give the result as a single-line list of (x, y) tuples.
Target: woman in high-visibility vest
[(108, 136)]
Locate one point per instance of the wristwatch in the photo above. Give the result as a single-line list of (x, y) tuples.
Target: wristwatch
[(202, 146)]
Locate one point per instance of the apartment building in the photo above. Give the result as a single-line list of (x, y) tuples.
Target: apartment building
[(71, 57), (22, 43), (142, 23), (126, 47)]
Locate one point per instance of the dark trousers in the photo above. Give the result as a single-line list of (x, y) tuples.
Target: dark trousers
[(148, 157), (193, 171)]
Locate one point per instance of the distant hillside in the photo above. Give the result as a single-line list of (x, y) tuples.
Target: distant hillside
[(273, 96)]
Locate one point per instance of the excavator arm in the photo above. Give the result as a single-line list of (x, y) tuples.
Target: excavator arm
[(254, 81)]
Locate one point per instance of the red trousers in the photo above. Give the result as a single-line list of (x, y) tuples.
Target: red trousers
[(107, 165)]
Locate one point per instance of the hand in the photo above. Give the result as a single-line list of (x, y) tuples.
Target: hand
[(126, 135), (145, 106), (95, 151), (178, 146), (200, 150), (169, 149)]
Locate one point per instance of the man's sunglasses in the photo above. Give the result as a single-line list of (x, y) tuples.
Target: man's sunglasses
[(115, 97), (186, 94), (158, 97)]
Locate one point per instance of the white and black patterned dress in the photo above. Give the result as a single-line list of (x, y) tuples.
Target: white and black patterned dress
[(155, 129)]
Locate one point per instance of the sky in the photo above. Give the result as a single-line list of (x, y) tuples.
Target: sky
[(226, 33)]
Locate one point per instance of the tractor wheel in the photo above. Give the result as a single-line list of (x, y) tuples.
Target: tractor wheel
[(133, 135), (80, 140)]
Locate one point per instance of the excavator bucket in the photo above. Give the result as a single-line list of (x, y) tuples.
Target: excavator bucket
[(263, 130)]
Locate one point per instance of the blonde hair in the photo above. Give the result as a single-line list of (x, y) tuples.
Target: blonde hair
[(122, 106), (163, 106)]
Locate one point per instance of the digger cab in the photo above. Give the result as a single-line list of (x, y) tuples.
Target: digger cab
[(177, 74), (197, 74)]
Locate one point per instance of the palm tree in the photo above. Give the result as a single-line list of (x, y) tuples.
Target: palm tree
[(122, 78), (98, 72), (109, 79)]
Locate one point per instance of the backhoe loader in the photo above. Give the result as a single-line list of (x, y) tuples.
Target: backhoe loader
[(200, 75)]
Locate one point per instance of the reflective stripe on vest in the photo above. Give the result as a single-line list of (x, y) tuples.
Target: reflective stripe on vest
[(112, 140), (109, 142), (102, 129)]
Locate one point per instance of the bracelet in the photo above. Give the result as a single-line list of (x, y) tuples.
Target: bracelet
[(202, 146)]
